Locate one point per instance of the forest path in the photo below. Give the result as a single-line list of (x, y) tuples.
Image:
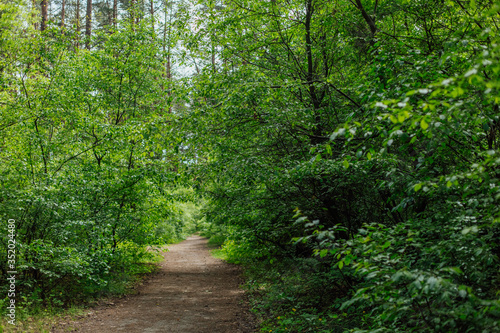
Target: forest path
[(192, 293)]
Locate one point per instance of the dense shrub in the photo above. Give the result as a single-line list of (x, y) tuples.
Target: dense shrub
[(379, 124)]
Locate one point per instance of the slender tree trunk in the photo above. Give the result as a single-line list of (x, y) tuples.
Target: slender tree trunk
[(166, 50), (77, 25), (115, 12), (213, 58), (63, 12), (169, 74), (88, 24), (152, 12), (310, 61), (132, 11), (212, 41), (110, 14), (140, 12), (35, 23), (196, 66), (368, 19), (43, 26)]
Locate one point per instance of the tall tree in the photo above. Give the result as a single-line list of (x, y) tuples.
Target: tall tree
[(88, 24), (152, 13), (115, 12), (63, 12), (133, 11), (44, 12), (77, 24)]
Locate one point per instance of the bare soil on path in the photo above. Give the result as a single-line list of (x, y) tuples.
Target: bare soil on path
[(193, 292)]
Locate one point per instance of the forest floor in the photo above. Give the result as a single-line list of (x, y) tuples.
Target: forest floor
[(193, 292)]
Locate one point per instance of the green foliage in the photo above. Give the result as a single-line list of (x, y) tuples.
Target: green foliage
[(379, 123), (375, 122), (216, 240), (88, 168)]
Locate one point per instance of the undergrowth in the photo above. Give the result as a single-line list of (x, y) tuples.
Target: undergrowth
[(34, 314)]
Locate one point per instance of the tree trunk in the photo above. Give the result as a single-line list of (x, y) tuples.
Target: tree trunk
[(110, 14), (77, 25), (166, 51), (63, 12), (88, 24), (132, 12), (310, 61), (43, 26), (213, 58), (152, 12), (33, 15), (115, 12), (368, 19)]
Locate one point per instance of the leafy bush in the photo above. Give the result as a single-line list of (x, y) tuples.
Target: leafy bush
[(379, 123), (87, 170)]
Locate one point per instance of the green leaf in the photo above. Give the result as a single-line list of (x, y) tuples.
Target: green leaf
[(424, 124), (328, 149), (401, 117), (417, 187), (345, 164)]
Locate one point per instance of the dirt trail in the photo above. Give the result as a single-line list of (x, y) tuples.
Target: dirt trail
[(192, 293)]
